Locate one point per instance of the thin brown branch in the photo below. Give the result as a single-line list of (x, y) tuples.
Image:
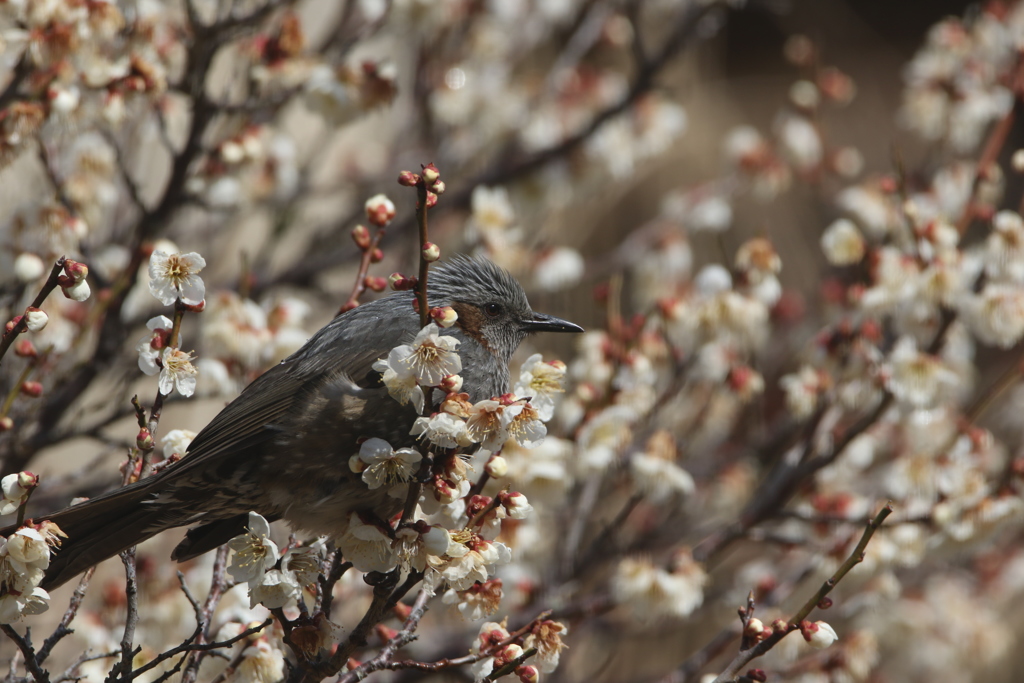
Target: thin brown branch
[(69, 615), (24, 644), (744, 658), (404, 637), (190, 646), (122, 670), (51, 283)]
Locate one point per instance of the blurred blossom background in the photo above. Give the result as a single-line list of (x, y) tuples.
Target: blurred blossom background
[(792, 230)]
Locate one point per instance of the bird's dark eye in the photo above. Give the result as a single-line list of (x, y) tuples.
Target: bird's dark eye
[(492, 309)]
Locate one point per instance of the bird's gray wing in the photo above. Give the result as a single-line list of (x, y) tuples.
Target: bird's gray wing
[(342, 353)]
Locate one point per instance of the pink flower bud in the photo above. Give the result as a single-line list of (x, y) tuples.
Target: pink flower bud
[(431, 174), (193, 308), (75, 270), (443, 491), (6, 423), (527, 674), (497, 466), (35, 319), (444, 316), (754, 628), (379, 210), (757, 675), (27, 481), (377, 284), (376, 256), (25, 348), (361, 236), (431, 252), (511, 653), (438, 187), (401, 283), (32, 388), (819, 634), (452, 383), (144, 440), (385, 633), (431, 200), (408, 179), (12, 323)]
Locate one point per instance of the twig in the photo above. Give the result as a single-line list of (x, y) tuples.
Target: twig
[(24, 644), (122, 670), (746, 656), (189, 646), (359, 287), (51, 283), (69, 615), (217, 588), (403, 637)]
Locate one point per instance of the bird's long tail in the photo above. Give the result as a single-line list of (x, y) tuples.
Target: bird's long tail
[(103, 527)]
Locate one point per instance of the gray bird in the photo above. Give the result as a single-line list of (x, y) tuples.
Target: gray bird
[(282, 447)]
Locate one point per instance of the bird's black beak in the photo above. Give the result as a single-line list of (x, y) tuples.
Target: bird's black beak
[(549, 323)]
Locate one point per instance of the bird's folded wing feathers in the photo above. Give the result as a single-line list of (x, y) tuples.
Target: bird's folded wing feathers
[(348, 346)]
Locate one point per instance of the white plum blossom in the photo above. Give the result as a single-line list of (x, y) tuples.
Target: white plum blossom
[(151, 346), (547, 637), (659, 479), (803, 390), (28, 267), (487, 424), (174, 276), (177, 372), (442, 429), (261, 663), (477, 601), (541, 381), (914, 378), (400, 381), (177, 441), (652, 592), (16, 489), (558, 269), (525, 426), (254, 552), (275, 589), (367, 546), (466, 561), (429, 359), (381, 465), (996, 315), (842, 243), (303, 563), (603, 437)]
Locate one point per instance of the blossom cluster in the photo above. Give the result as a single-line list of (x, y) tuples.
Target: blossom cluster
[(24, 557), (788, 327)]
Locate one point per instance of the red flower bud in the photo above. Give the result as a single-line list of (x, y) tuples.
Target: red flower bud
[(32, 388), (377, 284), (361, 236), (430, 174), (25, 348), (408, 179)]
